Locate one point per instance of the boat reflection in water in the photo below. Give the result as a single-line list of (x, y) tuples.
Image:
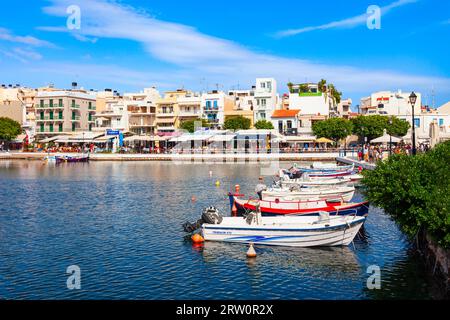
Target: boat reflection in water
[(326, 262)]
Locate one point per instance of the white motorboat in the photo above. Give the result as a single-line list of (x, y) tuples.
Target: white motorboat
[(310, 182), (314, 231), (334, 194)]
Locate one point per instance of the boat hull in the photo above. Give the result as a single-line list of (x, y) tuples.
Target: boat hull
[(335, 235), (292, 208), (345, 196)]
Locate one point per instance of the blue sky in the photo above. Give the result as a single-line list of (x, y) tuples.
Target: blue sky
[(127, 45)]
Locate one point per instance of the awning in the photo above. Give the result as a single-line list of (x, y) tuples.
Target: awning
[(179, 139), (301, 139), (51, 139), (104, 139), (20, 138), (138, 138), (87, 135), (223, 138), (324, 140)]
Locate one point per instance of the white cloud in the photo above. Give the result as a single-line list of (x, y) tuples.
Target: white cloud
[(7, 35), (27, 53), (218, 60), (345, 23)]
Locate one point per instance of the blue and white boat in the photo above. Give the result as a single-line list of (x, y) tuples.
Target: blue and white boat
[(306, 231)]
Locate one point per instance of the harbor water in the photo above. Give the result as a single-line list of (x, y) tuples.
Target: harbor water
[(120, 223)]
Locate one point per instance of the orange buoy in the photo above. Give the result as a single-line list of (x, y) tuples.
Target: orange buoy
[(234, 210), (237, 188), (251, 253), (197, 238), (193, 199)]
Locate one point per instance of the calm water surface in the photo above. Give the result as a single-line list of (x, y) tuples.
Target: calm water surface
[(121, 224)]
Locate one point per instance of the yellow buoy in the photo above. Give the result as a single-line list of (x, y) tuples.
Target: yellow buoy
[(251, 253), (217, 183), (196, 238)]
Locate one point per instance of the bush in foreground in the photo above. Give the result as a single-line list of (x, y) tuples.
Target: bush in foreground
[(415, 191)]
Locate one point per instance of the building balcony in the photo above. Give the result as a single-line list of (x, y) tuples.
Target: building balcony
[(166, 128), (75, 106), (141, 125), (76, 118), (165, 115), (189, 114)]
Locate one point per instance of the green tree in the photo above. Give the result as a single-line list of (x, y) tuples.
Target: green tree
[(398, 128), (322, 85), (415, 191), (337, 95), (290, 86), (9, 129), (237, 123), (304, 88), (264, 124), (373, 126), (335, 129), (189, 125)]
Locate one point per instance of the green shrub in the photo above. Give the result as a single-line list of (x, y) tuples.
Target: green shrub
[(415, 191)]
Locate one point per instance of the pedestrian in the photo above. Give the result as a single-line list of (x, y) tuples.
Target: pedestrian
[(260, 187), (366, 153)]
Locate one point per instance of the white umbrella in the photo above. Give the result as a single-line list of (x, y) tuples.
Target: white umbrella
[(386, 139)]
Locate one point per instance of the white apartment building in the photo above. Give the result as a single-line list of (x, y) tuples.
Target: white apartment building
[(344, 108), (312, 101), (244, 99), (390, 103), (189, 106), (266, 97), (213, 106), (113, 117), (313, 105), (141, 108)]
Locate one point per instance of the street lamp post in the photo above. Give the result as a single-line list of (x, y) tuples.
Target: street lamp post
[(390, 136), (413, 100)]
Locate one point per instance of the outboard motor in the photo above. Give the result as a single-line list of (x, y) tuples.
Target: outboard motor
[(211, 215)]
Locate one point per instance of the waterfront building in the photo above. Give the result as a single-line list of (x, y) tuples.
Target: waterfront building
[(314, 105), (141, 108), (64, 111), (286, 121), (310, 100), (102, 98), (167, 112), (344, 108), (114, 116), (214, 104), (266, 97), (190, 106), (389, 103), (244, 99)]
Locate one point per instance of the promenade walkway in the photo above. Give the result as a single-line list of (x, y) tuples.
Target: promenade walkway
[(186, 157)]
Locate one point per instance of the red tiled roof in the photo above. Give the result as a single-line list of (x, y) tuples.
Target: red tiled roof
[(285, 113)]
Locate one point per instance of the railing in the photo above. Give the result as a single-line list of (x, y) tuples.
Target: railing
[(76, 118), (75, 106)]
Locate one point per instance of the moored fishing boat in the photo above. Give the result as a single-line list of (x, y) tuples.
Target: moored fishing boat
[(336, 194), (296, 207), (316, 231), (302, 182), (72, 159)]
